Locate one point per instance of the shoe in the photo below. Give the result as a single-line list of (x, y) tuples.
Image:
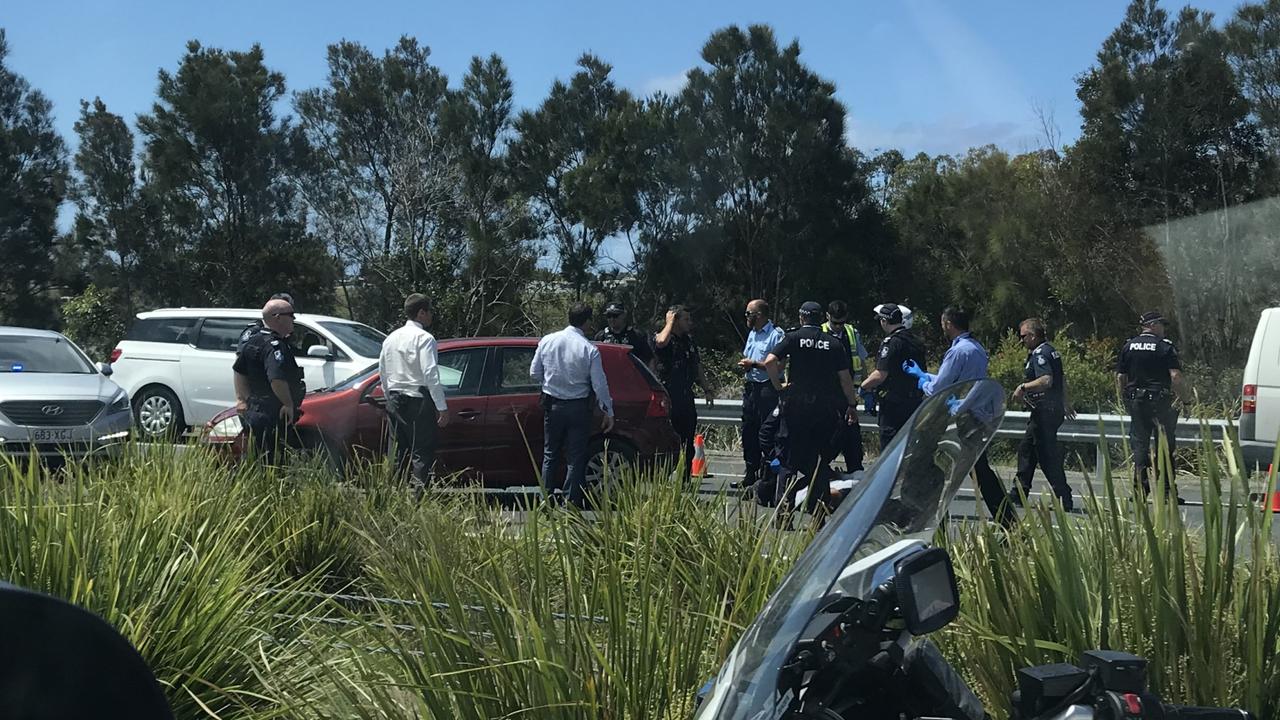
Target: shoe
[(1016, 497)]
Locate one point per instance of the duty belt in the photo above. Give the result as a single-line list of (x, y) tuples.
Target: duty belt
[(1148, 394)]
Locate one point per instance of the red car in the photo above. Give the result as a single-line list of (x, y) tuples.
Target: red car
[(495, 421)]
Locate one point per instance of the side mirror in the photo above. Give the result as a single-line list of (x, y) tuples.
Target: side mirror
[(105, 369), (319, 351), (62, 661)]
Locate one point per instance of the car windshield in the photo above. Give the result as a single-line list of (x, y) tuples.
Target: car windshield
[(42, 354), (353, 380), (362, 339), (905, 494)]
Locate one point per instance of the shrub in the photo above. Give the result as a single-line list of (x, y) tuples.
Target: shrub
[(93, 320), (1089, 367)]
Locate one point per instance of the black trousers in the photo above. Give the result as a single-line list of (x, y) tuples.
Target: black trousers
[(811, 427), (413, 424), (1040, 447), (268, 434), (684, 420), (1147, 418), (849, 444), (993, 493), (893, 415), (566, 428), (758, 403)]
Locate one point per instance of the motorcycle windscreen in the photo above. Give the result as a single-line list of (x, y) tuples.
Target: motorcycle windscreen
[(905, 494)]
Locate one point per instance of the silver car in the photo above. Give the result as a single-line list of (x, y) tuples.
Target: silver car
[(53, 400)]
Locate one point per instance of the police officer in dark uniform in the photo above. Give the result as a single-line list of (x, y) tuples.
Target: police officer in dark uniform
[(1148, 372), (268, 382), (898, 393), (819, 396), (679, 369), (620, 332), (1044, 391), (253, 328)]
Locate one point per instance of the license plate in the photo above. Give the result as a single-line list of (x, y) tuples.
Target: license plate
[(51, 435)]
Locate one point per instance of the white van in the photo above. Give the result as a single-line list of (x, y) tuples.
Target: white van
[(176, 364), (1260, 410)]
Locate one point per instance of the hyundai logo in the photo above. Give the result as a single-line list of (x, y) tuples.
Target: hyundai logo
[(51, 410)]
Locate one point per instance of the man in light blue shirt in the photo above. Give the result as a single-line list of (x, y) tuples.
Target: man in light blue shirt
[(569, 369), (758, 396), (966, 360)]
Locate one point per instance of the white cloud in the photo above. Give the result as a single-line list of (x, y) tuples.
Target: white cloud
[(669, 84), (950, 135)]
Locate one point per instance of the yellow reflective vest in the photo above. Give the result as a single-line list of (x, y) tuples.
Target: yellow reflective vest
[(851, 334)]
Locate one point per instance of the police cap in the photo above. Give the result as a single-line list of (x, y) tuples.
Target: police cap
[(1150, 318), (811, 309), (889, 312), (614, 309)]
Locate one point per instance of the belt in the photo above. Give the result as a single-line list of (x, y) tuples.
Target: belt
[(758, 382), (553, 398)]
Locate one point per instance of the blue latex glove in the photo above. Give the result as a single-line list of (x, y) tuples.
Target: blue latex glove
[(911, 368), (953, 404), (868, 400)]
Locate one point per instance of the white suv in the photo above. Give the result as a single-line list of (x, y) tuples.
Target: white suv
[(176, 364)]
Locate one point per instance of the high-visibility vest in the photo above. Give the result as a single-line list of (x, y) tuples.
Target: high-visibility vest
[(851, 333)]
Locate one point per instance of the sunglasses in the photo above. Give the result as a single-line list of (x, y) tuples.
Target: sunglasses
[(1024, 336), (752, 314), (288, 314)]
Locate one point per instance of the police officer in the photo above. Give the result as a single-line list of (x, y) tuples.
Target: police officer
[(253, 329), (759, 399), (1148, 372), (838, 325), (897, 392), (819, 396), (618, 331), (679, 369), (268, 381), (1044, 391)]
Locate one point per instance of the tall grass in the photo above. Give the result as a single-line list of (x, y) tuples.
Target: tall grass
[(1201, 603), (257, 594), (621, 616), (172, 555)]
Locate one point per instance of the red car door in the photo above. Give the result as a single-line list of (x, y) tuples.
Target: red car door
[(514, 420), (460, 445)]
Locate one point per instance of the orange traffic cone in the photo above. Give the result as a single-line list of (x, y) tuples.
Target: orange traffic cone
[(699, 457)]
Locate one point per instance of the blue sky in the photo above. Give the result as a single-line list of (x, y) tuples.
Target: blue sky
[(920, 75)]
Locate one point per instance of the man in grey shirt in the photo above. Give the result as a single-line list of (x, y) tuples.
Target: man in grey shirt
[(568, 367)]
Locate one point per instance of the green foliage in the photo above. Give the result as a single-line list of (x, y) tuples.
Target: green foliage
[(1089, 366), (173, 554), (224, 579), (92, 320), (114, 236), (33, 183), (1198, 602), (221, 168), (566, 161), (409, 182)]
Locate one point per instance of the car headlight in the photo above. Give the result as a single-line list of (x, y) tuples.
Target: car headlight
[(120, 404), (228, 428)]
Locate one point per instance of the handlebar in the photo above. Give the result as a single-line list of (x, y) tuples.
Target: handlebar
[(1192, 712)]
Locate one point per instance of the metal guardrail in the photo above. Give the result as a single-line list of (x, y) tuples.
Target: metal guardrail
[(1100, 430)]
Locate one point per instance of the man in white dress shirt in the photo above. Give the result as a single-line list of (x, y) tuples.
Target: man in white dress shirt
[(415, 397), (568, 367)]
